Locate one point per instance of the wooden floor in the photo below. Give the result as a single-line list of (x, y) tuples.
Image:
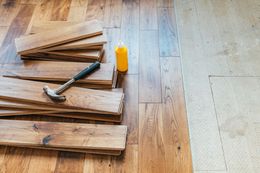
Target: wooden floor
[(155, 113)]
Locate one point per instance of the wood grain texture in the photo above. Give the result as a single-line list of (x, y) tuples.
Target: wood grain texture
[(148, 15), (47, 25), (174, 115), (42, 161), (80, 44), (77, 10), (168, 39), (70, 162), (54, 71), (95, 10), (113, 13), (60, 10), (130, 33), (19, 24), (113, 37), (56, 36), (16, 156), (8, 11), (70, 56), (130, 113), (63, 135), (92, 99), (149, 73)]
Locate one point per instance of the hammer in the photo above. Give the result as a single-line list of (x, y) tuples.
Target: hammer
[(54, 94)]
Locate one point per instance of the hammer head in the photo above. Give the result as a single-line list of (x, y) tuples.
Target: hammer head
[(52, 94)]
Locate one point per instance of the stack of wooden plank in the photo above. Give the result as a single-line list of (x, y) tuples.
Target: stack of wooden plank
[(88, 138), (82, 42), (59, 72), (23, 97)]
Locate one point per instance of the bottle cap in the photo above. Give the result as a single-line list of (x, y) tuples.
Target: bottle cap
[(120, 44)]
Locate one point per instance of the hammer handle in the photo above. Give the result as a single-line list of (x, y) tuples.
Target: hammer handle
[(87, 71)]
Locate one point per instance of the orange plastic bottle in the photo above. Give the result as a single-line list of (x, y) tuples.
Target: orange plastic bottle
[(121, 57)]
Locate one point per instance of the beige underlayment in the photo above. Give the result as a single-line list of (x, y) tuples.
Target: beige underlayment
[(219, 38)]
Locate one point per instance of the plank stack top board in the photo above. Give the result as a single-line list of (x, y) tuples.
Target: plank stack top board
[(81, 42)]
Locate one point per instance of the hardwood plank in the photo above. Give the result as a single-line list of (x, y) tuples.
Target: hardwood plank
[(130, 113), (127, 162), (77, 10), (148, 15), (168, 39), (60, 10), (130, 33), (97, 163), (46, 56), (113, 13), (152, 134), (22, 91), (64, 135), (8, 11), (95, 10), (16, 156), (54, 37), (149, 73), (113, 37), (54, 71), (81, 44), (42, 161), (174, 115), (91, 54), (151, 160), (19, 24), (47, 25), (13, 105), (69, 162)]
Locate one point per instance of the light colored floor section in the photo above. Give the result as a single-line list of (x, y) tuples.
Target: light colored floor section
[(238, 112), (217, 38)]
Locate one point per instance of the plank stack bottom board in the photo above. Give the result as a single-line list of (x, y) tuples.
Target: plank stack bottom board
[(77, 45), (20, 97), (76, 137), (59, 72)]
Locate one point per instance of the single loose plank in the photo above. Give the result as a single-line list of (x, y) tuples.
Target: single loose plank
[(88, 99), (58, 71), (62, 135), (32, 43)]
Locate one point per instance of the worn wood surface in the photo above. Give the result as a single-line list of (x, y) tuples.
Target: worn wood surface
[(30, 43), (32, 92), (140, 24), (63, 135), (54, 71)]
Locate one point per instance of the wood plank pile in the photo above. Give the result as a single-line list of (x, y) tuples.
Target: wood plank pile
[(81, 42), (24, 97), (91, 98)]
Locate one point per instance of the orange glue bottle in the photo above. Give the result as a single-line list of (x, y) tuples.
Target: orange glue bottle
[(121, 57)]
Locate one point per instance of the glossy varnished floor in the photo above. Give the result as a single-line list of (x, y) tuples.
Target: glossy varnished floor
[(158, 139)]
